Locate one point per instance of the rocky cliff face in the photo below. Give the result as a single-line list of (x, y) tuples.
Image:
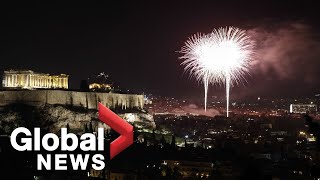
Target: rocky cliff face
[(88, 100), (51, 118)]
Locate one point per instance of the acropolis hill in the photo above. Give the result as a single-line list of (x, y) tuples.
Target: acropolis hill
[(32, 88), (88, 100), (43, 100), (53, 109)]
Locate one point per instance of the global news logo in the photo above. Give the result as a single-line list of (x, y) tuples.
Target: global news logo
[(22, 139)]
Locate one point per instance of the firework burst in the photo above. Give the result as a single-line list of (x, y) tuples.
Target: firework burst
[(221, 57)]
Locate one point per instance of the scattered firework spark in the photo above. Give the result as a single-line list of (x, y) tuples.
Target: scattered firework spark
[(221, 57)]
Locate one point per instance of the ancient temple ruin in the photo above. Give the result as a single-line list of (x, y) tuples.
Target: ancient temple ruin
[(31, 80)]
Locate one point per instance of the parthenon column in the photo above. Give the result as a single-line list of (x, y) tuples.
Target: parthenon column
[(9, 80), (31, 80), (26, 80), (15, 80), (12, 80), (6, 81), (64, 83), (25, 77)]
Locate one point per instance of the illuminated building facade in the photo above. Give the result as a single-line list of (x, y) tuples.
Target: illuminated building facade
[(100, 87), (32, 80), (303, 108), (100, 83)]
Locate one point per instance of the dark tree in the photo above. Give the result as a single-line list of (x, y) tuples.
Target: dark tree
[(173, 141), (90, 127), (185, 142), (153, 137), (86, 130), (107, 133), (163, 140)]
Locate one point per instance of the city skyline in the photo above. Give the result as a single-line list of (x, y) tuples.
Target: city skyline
[(137, 44)]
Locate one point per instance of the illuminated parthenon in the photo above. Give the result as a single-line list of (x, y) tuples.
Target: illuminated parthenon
[(32, 80)]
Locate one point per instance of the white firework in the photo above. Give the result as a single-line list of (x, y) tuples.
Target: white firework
[(221, 57)]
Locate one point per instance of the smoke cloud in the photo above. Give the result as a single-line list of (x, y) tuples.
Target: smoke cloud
[(287, 51), (194, 109)]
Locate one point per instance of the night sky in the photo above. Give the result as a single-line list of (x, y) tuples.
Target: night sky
[(136, 43)]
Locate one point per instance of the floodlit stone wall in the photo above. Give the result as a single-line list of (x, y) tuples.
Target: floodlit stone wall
[(87, 100)]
